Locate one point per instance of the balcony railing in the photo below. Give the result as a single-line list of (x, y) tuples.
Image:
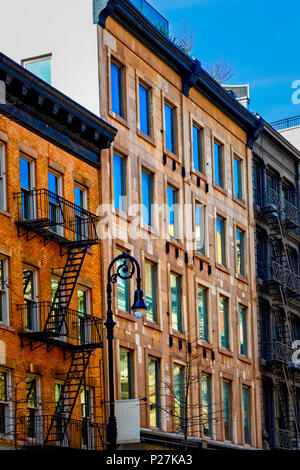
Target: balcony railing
[(65, 327), (286, 439), (273, 202), (54, 217), (279, 274), (286, 123), (31, 431), (275, 351), (152, 15)]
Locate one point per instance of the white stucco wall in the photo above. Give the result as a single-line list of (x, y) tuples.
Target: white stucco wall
[(64, 28), (292, 135)]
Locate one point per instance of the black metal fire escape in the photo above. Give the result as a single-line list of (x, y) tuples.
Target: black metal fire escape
[(56, 219), (283, 284)]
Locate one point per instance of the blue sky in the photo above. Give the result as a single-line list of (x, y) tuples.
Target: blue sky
[(261, 39)]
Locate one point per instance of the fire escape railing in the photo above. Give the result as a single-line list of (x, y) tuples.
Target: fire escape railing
[(54, 217), (276, 351), (69, 327), (273, 202), (280, 275), (31, 431)]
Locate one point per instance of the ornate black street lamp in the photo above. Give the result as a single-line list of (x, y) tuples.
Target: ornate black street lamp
[(127, 265)]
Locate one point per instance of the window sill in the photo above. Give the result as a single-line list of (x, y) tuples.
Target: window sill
[(126, 316), (199, 174), (150, 229), (222, 268), (176, 243), (4, 212), (225, 352), (146, 137), (242, 279), (246, 359), (220, 189), (118, 118), (172, 155), (123, 215), (177, 334), (153, 325), (201, 257), (240, 202), (3, 326), (205, 344)]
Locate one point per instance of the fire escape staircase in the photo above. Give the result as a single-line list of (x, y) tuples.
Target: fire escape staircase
[(287, 287), (74, 228)]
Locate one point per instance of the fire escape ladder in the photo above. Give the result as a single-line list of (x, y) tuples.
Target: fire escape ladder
[(56, 319), (58, 428)]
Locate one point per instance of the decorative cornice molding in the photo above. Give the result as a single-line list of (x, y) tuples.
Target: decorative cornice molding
[(44, 110), (191, 79), (106, 12)]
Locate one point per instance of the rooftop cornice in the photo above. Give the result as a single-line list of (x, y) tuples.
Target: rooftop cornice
[(41, 108), (278, 139), (190, 70)]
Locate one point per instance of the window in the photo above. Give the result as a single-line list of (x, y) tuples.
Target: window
[(218, 163), (197, 149), (27, 185), (227, 410), (120, 182), (59, 415), (144, 104), (224, 323), (3, 402), (86, 400), (170, 128), (154, 396), (40, 66), (2, 177), (126, 374), (123, 289), (179, 394), (221, 237), (176, 322), (200, 228), (246, 415), (243, 331), (84, 310), (240, 252), (206, 411), (4, 302), (117, 88), (150, 283), (147, 196), (55, 210), (237, 178), (80, 199), (32, 406), (173, 212), (202, 313), (30, 295)]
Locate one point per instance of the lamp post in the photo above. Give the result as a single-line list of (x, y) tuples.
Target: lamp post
[(125, 270)]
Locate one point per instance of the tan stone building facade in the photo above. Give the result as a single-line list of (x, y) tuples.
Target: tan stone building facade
[(201, 329)]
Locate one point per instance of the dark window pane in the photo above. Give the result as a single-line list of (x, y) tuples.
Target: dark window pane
[(202, 313), (246, 415), (179, 394), (144, 96), (173, 212), (117, 102), (175, 302), (154, 397), (237, 169), (206, 404), (41, 68), (243, 331), (240, 252), (218, 162), (223, 305), (227, 410), (123, 289), (125, 374), (197, 149), (170, 128), (119, 182), (147, 194), (150, 283)]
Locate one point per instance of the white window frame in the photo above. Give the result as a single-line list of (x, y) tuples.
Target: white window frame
[(35, 294), (8, 405), (3, 204), (39, 427), (4, 290), (60, 229)]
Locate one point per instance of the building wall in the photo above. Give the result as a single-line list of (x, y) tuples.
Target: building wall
[(62, 29), (52, 365), (292, 135), (141, 337)]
